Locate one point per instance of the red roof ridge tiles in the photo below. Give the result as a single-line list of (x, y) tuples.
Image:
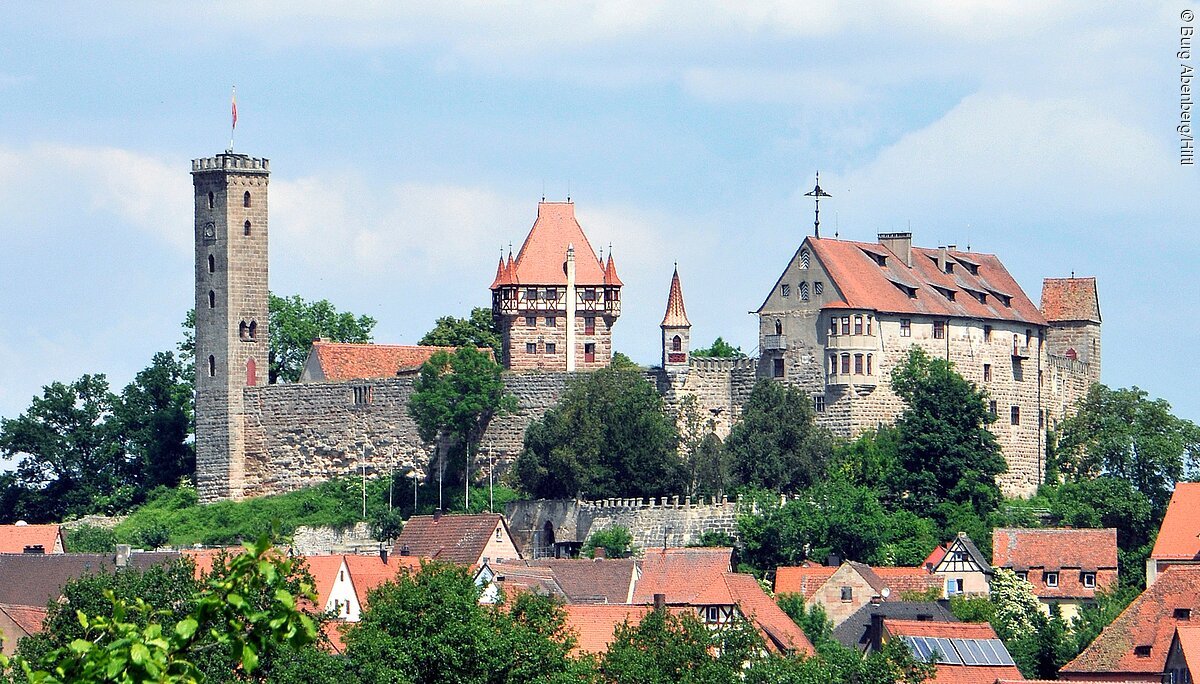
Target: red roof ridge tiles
[(676, 315), (15, 538), (1179, 534), (541, 258), (1070, 299)]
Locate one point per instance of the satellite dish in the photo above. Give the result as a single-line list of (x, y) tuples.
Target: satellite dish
[(22, 523), (886, 592)]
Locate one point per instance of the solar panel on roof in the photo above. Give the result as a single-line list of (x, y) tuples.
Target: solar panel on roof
[(919, 648), (1001, 652), (945, 650), (989, 654), (969, 651)]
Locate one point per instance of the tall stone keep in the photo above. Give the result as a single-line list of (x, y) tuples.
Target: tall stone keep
[(231, 312)]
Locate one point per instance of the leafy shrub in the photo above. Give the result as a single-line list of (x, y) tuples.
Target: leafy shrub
[(616, 541), (91, 539)]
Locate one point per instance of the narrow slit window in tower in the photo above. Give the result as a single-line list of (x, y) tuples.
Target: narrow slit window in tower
[(211, 201), (212, 299), (212, 366), (677, 343), (246, 199), (253, 330), (212, 264), (246, 228)]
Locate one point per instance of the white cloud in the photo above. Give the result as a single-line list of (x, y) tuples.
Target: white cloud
[(768, 86)]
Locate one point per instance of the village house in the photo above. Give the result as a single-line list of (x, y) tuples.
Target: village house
[(574, 580), (963, 652), (1134, 647), (340, 361), (25, 538), (862, 629), (464, 539), (844, 590), (962, 566), (1183, 658), (1178, 541), (1065, 566)]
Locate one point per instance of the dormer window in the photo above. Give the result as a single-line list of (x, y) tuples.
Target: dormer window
[(949, 267), (971, 268), (1089, 580), (1051, 578), (1021, 575), (879, 259), (1182, 614), (982, 297), (1142, 651)]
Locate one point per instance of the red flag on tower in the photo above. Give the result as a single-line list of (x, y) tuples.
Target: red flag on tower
[(234, 96)]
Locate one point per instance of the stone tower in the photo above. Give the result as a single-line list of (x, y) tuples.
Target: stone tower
[(231, 312), (676, 329), (1072, 308), (556, 303)]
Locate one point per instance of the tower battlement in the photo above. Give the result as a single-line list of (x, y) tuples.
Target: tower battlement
[(229, 161)]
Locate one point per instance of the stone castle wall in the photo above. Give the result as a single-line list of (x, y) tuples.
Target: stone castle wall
[(721, 388), (653, 522)]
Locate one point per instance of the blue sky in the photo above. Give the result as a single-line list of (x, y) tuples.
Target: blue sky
[(408, 144)]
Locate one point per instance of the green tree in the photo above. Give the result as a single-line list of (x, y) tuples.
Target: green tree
[(705, 466), (154, 421), (616, 541), (812, 619), (609, 436), (664, 648), (719, 349), (91, 539), (945, 451), (455, 396), (295, 323), (69, 460), (777, 443), (1124, 434), (870, 460), (1109, 502), (477, 330), (429, 628)]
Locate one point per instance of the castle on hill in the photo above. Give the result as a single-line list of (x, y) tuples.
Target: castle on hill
[(835, 323)]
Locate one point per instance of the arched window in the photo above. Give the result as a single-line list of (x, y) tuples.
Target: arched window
[(804, 292), (212, 264), (243, 331), (251, 373), (1072, 354), (212, 366), (211, 202), (677, 344), (246, 228), (212, 299), (246, 199), (804, 258), (778, 327), (253, 330)]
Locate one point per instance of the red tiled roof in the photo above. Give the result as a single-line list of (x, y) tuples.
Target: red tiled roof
[(676, 315), (594, 624), (335, 631), (542, 258), (779, 631), (1179, 534), (324, 570), (902, 580), (1189, 644), (1148, 621), (690, 576), (610, 272), (1070, 299), (936, 555), (204, 558), (864, 284), (804, 579), (354, 361), (368, 572), (451, 538), (14, 538), (516, 577), (593, 581), (28, 618), (1054, 548), (955, 674), (502, 275)]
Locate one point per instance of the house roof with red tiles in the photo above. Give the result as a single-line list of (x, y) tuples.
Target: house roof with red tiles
[(1188, 639), (610, 271), (676, 315), (204, 559), (688, 576), (28, 619), (779, 632), (502, 274), (864, 283), (1070, 299), (1179, 534), (1148, 623), (1054, 548), (451, 538), (542, 258), (802, 579), (368, 572), (359, 361), (601, 580), (16, 538), (594, 624), (907, 580), (955, 674), (324, 570), (517, 577)]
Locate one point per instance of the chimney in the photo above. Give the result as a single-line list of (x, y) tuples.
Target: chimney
[(600, 553), (660, 602), (899, 244), (875, 635), (34, 549), (383, 554), (123, 553), (570, 267), (833, 560), (437, 515)]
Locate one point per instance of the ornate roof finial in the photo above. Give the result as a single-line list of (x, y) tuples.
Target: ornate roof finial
[(817, 193)]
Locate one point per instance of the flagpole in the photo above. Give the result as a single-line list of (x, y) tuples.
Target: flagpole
[(233, 123)]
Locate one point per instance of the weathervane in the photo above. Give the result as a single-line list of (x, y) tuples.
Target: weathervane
[(817, 193)]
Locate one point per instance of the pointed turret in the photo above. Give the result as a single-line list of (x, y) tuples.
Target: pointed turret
[(676, 329), (501, 274), (610, 271)]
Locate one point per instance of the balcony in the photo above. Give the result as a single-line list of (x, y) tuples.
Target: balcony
[(774, 342), (1019, 352)]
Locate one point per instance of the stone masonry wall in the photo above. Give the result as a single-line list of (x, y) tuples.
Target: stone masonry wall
[(721, 388), (675, 521)]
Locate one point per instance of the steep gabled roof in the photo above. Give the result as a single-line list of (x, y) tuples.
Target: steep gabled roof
[(1054, 548), (1179, 534), (1188, 639), (368, 572), (802, 579), (779, 631), (853, 632), (689, 576), (963, 542), (1070, 299), (28, 579), (452, 538), (865, 284), (610, 272), (15, 538), (583, 580), (28, 618), (324, 570), (361, 361), (676, 315), (594, 624), (1149, 621), (543, 256)]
